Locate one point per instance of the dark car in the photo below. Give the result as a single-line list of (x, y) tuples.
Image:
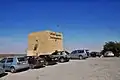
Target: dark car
[(49, 60), (95, 54), (62, 56), (35, 61)]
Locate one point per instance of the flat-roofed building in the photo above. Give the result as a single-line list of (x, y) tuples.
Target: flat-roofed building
[(44, 42)]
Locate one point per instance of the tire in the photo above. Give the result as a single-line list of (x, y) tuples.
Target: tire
[(80, 57), (46, 63), (31, 66), (68, 60), (62, 60), (12, 70)]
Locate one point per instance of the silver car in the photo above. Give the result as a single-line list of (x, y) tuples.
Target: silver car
[(79, 54), (2, 71), (61, 56), (14, 63)]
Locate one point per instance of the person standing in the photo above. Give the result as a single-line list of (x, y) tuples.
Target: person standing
[(31, 62)]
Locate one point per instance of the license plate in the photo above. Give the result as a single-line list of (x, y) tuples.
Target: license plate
[(24, 63), (42, 61)]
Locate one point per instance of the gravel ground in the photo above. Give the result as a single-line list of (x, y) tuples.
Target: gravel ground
[(90, 69)]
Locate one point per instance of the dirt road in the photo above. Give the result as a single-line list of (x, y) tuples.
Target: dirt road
[(90, 69)]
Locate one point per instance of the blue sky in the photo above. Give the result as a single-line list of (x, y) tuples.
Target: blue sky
[(85, 24)]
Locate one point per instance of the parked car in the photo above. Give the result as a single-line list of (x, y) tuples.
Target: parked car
[(95, 54), (2, 71), (49, 60), (35, 61), (79, 54), (14, 63), (61, 56), (108, 54)]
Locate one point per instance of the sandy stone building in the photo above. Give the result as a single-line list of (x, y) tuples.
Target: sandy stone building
[(44, 42)]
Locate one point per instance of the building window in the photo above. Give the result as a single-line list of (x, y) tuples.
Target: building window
[(36, 40), (58, 35), (55, 38), (36, 46), (52, 34)]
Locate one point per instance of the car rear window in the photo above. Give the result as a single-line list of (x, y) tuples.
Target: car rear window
[(80, 51), (20, 59)]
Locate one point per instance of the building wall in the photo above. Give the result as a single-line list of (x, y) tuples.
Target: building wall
[(47, 42)]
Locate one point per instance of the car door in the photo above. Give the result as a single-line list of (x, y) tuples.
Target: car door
[(67, 54), (8, 63), (76, 55), (82, 53), (64, 53), (2, 62), (73, 54)]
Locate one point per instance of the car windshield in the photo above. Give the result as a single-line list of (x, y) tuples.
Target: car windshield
[(73, 52), (20, 59), (67, 52), (54, 53), (80, 51), (3, 60)]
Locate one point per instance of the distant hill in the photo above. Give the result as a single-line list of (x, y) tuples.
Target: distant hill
[(6, 55)]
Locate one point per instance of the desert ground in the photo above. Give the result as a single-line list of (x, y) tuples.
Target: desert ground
[(89, 69)]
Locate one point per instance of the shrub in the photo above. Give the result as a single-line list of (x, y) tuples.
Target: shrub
[(112, 46)]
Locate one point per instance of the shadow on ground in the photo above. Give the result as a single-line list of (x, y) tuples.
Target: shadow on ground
[(78, 59), (2, 75), (39, 67), (51, 64), (21, 70)]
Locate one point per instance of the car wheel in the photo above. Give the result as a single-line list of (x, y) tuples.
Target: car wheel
[(62, 60), (68, 60), (46, 63), (12, 70), (33, 66), (80, 57)]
